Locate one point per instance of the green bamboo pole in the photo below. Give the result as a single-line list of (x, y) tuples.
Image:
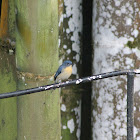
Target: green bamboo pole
[(37, 55), (8, 108), (11, 20)]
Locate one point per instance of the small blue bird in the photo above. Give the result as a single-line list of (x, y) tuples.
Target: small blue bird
[(64, 71)]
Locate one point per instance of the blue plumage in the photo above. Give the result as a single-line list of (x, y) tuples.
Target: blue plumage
[(64, 71)]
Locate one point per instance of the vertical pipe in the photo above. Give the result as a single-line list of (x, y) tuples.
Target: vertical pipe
[(130, 102), (86, 69)]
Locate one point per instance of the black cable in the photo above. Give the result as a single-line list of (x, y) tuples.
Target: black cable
[(68, 83)]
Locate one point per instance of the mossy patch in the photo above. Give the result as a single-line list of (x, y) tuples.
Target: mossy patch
[(135, 43)]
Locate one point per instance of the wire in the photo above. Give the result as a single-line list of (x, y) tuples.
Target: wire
[(68, 83)]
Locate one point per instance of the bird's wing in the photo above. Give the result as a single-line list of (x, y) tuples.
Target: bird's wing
[(58, 72)]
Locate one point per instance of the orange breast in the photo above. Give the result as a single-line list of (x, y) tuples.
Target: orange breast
[(68, 69)]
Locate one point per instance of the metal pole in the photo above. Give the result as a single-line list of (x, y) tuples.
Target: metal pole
[(130, 102)]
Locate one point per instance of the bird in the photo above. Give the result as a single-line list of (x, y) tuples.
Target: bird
[(64, 71)]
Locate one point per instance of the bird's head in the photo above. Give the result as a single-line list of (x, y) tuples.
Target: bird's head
[(67, 63)]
